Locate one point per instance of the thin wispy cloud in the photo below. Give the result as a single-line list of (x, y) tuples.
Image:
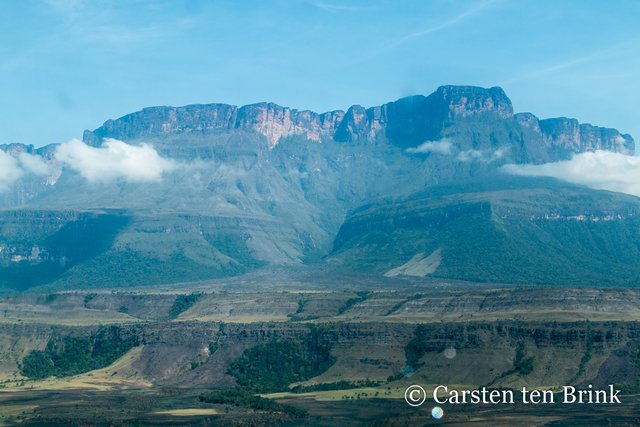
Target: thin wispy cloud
[(335, 7), (70, 8), (446, 147), (447, 23), (426, 31), (595, 56), (109, 24), (482, 156), (121, 36), (81, 22)]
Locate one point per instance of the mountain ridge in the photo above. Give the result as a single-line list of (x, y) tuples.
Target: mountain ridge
[(357, 123), (264, 185), (275, 122)]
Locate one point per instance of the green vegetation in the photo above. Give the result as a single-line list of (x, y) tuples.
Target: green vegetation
[(376, 362), (339, 385), (417, 347), (554, 234), (362, 296), (69, 246), (628, 388), (298, 314), (213, 347), (73, 355), (183, 303), (239, 397), (127, 267), (632, 388), (405, 372), (88, 298), (204, 358), (521, 364), (399, 305), (586, 357), (50, 298), (635, 358), (273, 366)]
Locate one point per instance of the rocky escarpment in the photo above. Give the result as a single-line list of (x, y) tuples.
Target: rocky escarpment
[(200, 353), (271, 120), (15, 149), (406, 122), (181, 354), (414, 119), (568, 136)]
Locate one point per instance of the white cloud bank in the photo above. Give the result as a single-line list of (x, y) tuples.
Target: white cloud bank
[(114, 160), (442, 146), (34, 164), (603, 170), (13, 168), (10, 170)]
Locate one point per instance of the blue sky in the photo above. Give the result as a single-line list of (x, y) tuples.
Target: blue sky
[(69, 65)]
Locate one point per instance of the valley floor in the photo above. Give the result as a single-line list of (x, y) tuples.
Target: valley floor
[(381, 339)]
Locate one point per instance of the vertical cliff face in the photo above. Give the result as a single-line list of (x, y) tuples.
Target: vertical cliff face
[(414, 119), (567, 136), (158, 121), (276, 122), (268, 119), (468, 101), (528, 121), (572, 136), (356, 125), (406, 122)]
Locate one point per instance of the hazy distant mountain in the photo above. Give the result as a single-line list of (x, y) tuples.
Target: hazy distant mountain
[(395, 189)]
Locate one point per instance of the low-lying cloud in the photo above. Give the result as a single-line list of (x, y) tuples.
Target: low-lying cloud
[(446, 147), (10, 170), (442, 146), (13, 168), (33, 164), (114, 160), (481, 156), (603, 170)]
